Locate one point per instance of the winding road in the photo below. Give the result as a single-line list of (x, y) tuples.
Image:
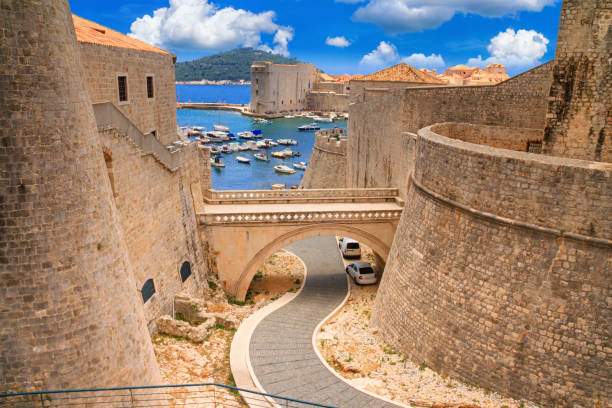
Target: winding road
[(281, 350)]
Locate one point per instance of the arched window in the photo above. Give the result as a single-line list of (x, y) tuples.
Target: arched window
[(185, 271), (148, 289)]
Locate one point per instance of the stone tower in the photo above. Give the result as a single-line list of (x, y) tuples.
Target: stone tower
[(580, 109), (70, 312)]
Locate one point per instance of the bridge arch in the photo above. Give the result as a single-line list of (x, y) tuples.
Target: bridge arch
[(241, 286)]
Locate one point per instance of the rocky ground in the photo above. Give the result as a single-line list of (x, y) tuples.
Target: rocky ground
[(194, 348), (357, 352)]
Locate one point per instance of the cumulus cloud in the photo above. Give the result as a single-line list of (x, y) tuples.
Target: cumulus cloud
[(340, 42), (202, 25), (423, 61), (384, 54), (519, 50), (281, 40), (397, 16)]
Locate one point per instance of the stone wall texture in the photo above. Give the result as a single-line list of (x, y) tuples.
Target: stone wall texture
[(104, 64), (327, 166), (499, 272), (157, 217), (280, 88), (580, 110), (71, 314), (379, 154), (327, 102)]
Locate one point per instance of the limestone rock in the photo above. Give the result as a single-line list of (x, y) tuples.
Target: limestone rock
[(167, 325)]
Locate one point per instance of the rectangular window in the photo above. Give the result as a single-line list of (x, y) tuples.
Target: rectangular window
[(534, 147), (149, 87), (123, 91)]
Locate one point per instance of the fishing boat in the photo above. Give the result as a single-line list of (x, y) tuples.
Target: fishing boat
[(216, 162), (284, 169), (246, 135), (225, 149), (310, 126), (244, 160), (287, 142), (300, 165), (261, 156), (278, 155)]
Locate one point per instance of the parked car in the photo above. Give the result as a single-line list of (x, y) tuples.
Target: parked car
[(361, 272), (349, 248)]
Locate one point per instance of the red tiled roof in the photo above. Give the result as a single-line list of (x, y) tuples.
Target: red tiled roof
[(402, 73), (93, 33)]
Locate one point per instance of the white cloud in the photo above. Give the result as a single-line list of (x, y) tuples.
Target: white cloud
[(397, 16), (519, 50), (282, 38), (385, 54), (422, 61), (201, 25), (340, 42)]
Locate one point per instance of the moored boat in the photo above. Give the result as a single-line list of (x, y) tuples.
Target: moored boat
[(261, 156), (217, 162), (225, 149), (221, 128), (284, 169), (241, 159), (290, 153), (214, 150), (278, 186), (278, 155), (310, 126), (262, 121), (252, 145), (287, 142), (300, 165)]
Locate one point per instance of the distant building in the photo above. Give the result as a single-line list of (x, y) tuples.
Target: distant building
[(464, 75), (398, 76), (277, 89)]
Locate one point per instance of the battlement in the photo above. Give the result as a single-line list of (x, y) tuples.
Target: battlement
[(331, 141)]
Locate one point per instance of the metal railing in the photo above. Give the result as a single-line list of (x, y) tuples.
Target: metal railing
[(205, 395)]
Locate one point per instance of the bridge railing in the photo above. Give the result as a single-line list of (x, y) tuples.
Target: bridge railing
[(332, 194), (358, 216), (206, 395)]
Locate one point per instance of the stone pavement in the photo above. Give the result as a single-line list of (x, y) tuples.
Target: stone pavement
[(281, 350)]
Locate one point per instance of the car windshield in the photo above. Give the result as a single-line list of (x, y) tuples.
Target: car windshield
[(352, 245), (366, 270)]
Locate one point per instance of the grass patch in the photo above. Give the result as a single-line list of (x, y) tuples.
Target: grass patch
[(212, 285), (422, 366), (240, 302)]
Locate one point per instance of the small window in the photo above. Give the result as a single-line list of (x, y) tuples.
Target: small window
[(352, 245), (185, 271), (150, 87), (534, 147), (366, 270), (123, 91), (148, 289)]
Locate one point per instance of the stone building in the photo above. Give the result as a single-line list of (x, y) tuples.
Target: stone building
[(499, 273), (98, 228), (276, 89)]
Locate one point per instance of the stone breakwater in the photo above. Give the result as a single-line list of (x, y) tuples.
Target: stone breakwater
[(499, 273)]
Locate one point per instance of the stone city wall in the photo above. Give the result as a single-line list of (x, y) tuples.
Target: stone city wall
[(157, 217), (496, 136), (71, 314), (103, 64), (327, 102), (379, 154), (336, 87), (499, 272), (327, 166), (358, 87)]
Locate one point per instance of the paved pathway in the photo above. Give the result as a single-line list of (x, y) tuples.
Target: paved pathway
[(281, 350)]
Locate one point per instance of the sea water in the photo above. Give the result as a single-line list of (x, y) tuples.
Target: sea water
[(257, 175), (214, 93)]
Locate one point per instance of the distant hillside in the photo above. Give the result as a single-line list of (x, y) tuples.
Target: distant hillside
[(232, 65)]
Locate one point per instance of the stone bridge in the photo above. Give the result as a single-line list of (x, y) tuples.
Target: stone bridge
[(243, 228)]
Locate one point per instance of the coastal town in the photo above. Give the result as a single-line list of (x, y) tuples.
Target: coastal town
[(400, 231)]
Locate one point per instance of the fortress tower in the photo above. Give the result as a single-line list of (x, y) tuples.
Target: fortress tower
[(70, 311), (580, 109)]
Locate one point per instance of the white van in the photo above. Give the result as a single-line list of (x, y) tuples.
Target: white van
[(349, 248)]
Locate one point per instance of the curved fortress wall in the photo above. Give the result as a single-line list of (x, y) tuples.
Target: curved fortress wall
[(499, 270), (327, 166), (379, 153), (71, 312)]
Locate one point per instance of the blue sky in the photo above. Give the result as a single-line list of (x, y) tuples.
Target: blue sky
[(338, 36)]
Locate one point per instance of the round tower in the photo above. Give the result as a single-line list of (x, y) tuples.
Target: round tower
[(70, 312)]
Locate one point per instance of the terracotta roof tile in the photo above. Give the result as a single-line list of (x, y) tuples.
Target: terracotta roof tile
[(93, 33), (402, 73)]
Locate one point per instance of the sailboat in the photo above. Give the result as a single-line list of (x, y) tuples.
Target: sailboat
[(219, 126)]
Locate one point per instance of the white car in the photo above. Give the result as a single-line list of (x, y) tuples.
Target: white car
[(349, 248), (361, 272)]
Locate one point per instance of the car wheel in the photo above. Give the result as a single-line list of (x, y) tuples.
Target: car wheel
[(347, 269)]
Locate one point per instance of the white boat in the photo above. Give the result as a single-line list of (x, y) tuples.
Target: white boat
[(262, 144), (311, 126), (278, 155), (234, 146), (284, 170), (289, 117), (262, 121), (261, 156), (216, 162), (246, 135), (214, 150), (270, 142), (322, 119), (300, 165), (290, 153), (225, 149), (287, 142), (241, 159), (243, 146), (252, 146), (217, 134), (278, 186), (221, 128)]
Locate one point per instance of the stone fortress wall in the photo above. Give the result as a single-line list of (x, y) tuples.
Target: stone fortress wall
[(102, 65), (327, 101), (279, 88), (328, 160), (379, 150), (71, 313)]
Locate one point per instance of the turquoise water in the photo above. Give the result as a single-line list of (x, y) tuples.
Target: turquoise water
[(257, 175), (214, 93)]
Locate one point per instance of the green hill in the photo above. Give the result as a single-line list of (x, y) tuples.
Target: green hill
[(231, 65)]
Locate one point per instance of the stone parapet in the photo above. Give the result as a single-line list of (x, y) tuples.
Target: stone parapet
[(300, 195)]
